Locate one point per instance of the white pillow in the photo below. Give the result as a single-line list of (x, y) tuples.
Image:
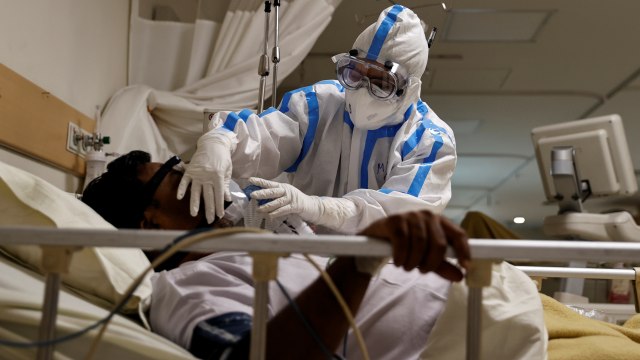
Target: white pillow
[(27, 200), (512, 320)]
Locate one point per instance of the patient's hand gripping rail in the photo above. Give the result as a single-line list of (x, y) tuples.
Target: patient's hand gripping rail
[(482, 250)]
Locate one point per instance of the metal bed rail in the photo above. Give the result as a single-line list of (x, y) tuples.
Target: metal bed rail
[(483, 253), (583, 273)]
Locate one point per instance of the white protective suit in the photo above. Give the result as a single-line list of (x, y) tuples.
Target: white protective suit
[(404, 165)]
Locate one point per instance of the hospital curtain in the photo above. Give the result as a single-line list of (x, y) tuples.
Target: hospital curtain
[(187, 55)]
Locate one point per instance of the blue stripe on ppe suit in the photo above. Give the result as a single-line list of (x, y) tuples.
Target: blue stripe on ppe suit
[(312, 106), (383, 31), (425, 167), (312, 113), (370, 143)]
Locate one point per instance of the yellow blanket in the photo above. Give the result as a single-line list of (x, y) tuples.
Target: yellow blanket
[(480, 226), (573, 336)]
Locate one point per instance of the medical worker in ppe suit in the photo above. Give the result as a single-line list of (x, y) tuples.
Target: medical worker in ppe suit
[(356, 150)]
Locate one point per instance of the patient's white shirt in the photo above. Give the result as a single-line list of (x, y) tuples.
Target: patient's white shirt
[(396, 316)]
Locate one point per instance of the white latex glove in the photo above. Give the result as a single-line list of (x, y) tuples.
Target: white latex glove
[(209, 173), (287, 199)]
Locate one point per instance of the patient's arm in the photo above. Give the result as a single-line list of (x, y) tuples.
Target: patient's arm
[(287, 338), (419, 239)]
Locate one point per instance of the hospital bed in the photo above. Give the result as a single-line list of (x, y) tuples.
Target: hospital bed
[(490, 250), (131, 338)]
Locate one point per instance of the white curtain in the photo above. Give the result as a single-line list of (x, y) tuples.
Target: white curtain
[(188, 55)]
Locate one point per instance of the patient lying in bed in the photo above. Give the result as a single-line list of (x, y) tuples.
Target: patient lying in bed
[(206, 305)]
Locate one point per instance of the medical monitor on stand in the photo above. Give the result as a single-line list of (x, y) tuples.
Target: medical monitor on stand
[(581, 159)]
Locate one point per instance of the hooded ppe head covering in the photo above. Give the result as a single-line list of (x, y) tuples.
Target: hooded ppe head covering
[(397, 36)]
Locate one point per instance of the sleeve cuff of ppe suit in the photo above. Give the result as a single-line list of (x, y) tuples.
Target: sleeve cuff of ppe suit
[(334, 212), (225, 137)]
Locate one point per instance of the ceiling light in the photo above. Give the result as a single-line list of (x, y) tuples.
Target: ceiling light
[(518, 220)]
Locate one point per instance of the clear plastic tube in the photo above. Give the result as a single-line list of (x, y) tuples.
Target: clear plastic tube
[(252, 218), (291, 223), (272, 224)]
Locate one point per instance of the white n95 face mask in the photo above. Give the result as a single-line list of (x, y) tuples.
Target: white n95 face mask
[(369, 113)]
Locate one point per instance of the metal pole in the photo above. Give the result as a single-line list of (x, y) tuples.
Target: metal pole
[(587, 273), (263, 66), (478, 276), (265, 269), (474, 323), (275, 54), (260, 317), (515, 250), (47, 329)]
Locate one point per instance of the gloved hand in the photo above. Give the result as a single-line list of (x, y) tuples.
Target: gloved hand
[(209, 173), (287, 199)]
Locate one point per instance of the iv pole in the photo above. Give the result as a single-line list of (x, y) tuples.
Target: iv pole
[(275, 55), (263, 66)]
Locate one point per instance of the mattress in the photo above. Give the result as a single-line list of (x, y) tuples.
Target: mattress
[(21, 294)]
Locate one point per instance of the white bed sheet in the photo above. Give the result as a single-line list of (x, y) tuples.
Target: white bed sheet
[(21, 294)]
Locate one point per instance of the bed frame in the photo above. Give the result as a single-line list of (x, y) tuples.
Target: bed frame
[(484, 253)]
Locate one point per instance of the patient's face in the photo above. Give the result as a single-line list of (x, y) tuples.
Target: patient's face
[(165, 210)]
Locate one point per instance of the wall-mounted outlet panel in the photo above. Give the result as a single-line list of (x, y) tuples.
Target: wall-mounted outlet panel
[(76, 139), (72, 145)]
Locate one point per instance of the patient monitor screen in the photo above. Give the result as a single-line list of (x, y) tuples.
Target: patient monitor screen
[(601, 154)]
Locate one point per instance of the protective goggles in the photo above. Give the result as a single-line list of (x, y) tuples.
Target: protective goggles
[(383, 80)]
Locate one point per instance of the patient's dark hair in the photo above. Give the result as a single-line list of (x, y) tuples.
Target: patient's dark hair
[(117, 195)]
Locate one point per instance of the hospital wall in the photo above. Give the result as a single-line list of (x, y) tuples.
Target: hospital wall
[(74, 49)]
